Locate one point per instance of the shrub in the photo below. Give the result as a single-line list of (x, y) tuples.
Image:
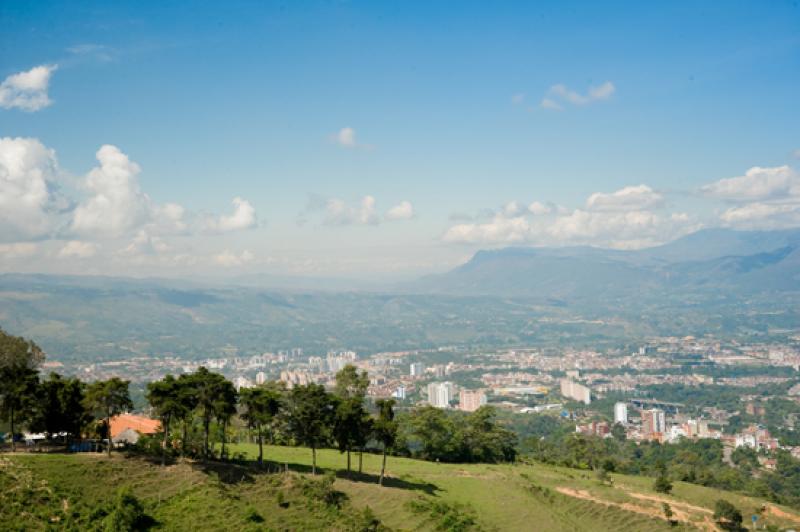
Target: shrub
[(127, 514)]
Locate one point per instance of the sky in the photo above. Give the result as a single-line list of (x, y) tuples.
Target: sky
[(385, 140)]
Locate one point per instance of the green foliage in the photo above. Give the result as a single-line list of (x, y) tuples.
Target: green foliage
[(108, 398), (59, 406), (434, 434), (662, 484), (727, 515), (309, 416), (444, 516), (127, 514)]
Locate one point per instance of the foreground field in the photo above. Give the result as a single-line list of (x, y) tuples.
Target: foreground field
[(65, 491)]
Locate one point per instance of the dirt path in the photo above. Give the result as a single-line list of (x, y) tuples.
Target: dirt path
[(681, 512)]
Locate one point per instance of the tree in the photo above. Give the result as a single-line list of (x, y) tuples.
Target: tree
[(187, 398), (668, 513), (165, 397), (727, 516), (18, 390), (350, 383), (349, 425), (662, 484), (224, 409), (385, 429), (435, 431), (310, 416), (19, 360), (60, 406), (212, 396), (109, 398), (261, 405)]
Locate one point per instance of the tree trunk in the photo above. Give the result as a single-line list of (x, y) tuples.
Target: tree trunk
[(185, 435), (348, 461), (383, 467), (206, 423), (108, 432), (313, 460), (260, 447), (13, 444), (224, 430), (166, 439)]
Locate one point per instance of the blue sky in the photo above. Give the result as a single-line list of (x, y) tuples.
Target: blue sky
[(442, 113)]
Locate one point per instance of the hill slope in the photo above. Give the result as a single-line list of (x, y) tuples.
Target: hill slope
[(418, 496)]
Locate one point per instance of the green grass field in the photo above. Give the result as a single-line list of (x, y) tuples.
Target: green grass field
[(40, 492)]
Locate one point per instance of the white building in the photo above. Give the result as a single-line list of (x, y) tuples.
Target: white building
[(261, 378), (621, 413), (400, 393), (440, 394), (416, 369), (573, 390)]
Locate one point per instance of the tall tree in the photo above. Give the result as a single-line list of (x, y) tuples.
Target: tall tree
[(109, 398), (165, 397), (224, 409), (60, 406), (385, 429), (19, 360), (352, 420), (350, 383), (261, 405), (309, 415), (211, 392), (18, 390), (187, 398)]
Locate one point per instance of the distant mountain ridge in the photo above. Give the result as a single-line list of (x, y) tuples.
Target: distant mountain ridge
[(737, 261)]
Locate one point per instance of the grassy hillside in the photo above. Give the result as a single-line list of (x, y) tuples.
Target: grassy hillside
[(38, 492)]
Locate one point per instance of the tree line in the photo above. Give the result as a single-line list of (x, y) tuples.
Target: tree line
[(197, 410)]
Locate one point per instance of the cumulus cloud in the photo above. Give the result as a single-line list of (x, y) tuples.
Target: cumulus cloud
[(116, 204), (243, 216), (757, 183), (18, 250), (229, 259), (27, 90), (558, 95), (402, 211), (144, 243), (621, 219), (78, 249), (633, 197), (28, 202)]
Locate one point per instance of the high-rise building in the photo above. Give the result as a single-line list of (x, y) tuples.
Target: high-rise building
[(440, 394), (654, 421), (416, 369), (572, 390), (400, 393), (621, 413), (471, 400), (261, 378)]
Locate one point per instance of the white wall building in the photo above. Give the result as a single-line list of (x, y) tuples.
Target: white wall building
[(440, 394), (621, 413), (573, 390)]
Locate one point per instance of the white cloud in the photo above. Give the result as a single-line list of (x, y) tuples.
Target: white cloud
[(560, 94), (243, 217), (229, 259), (18, 250), (619, 220), (28, 172), (757, 184), (116, 205), (337, 212), (345, 137), (78, 249), (539, 208), (145, 244), (627, 198), (27, 90), (402, 211)]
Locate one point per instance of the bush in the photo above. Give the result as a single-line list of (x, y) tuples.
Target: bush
[(444, 516), (662, 485), (127, 514), (727, 516)]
